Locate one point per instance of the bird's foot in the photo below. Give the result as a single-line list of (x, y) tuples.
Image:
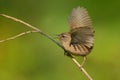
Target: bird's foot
[(67, 54)]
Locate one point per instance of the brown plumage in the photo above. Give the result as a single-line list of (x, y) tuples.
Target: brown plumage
[(80, 40)]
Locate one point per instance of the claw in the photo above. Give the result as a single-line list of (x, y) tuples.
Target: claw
[(67, 54)]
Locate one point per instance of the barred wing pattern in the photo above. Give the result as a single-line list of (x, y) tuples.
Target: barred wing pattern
[(79, 18), (81, 30)]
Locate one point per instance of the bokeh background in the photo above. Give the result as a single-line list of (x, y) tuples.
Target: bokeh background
[(34, 57)]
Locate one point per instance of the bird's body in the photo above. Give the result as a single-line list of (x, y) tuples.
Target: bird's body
[(80, 39), (76, 49)]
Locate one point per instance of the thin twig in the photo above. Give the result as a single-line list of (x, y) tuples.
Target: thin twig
[(79, 65), (81, 68), (48, 36), (32, 27), (16, 36)]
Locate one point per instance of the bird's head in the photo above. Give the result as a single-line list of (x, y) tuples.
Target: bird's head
[(65, 37)]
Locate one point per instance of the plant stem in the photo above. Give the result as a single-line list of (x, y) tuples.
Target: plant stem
[(35, 29)]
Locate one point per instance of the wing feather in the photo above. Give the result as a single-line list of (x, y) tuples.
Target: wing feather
[(83, 36), (79, 18)]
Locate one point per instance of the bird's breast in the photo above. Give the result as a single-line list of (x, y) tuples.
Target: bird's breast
[(79, 50)]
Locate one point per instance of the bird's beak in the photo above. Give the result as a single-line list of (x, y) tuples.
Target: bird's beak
[(57, 35)]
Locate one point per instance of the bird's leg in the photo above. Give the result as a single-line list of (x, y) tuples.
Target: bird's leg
[(84, 60)]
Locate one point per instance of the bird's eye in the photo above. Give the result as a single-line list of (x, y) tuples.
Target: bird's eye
[(63, 36)]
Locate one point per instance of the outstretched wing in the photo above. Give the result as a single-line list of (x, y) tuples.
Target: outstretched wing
[(82, 33), (83, 36), (79, 18)]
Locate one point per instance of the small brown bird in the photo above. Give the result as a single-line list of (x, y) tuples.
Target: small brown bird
[(80, 40)]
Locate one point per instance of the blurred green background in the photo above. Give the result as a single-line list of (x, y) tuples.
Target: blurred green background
[(34, 57)]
